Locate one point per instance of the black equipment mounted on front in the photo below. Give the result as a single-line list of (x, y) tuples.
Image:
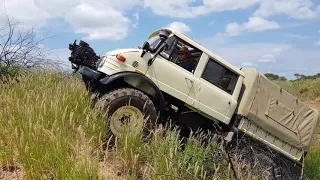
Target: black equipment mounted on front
[(82, 55)]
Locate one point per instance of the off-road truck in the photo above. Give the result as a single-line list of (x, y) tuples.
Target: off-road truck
[(149, 82)]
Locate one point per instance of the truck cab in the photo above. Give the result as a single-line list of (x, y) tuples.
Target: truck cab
[(211, 87)]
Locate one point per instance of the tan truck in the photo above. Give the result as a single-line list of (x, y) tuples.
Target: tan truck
[(173, 77)]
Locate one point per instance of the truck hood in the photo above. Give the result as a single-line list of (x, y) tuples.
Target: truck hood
[(118, 51)]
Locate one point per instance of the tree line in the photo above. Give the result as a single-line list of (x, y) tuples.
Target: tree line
[(298, 76)]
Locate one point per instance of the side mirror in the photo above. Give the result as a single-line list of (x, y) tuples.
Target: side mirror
[(146, 46), (164, 34)]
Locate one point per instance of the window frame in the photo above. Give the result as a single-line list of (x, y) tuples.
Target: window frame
[(225, 69), (181, 41)]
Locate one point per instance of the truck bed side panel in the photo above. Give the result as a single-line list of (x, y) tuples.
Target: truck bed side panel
[(276, 111)]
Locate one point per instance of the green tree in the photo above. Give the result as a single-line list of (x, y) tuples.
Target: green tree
[(272, 76), (299, 76)]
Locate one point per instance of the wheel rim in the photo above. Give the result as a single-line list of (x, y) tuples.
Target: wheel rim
[(126, 118)]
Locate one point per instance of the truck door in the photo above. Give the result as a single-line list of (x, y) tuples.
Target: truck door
[(168, 75), (171, 78), (213, 95)]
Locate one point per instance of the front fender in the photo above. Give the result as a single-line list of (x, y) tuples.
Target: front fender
[(109, 79)]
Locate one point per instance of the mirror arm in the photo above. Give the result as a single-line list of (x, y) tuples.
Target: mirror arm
[(154, 57), (143, 53)]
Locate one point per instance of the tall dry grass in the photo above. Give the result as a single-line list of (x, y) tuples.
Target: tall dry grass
[(306, 89), (49, 130)]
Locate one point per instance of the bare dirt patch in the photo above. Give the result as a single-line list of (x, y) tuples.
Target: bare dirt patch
[(111, 168), (315, 103), (11, 172)]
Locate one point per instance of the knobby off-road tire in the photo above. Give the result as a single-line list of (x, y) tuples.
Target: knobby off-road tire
[(120, 104)]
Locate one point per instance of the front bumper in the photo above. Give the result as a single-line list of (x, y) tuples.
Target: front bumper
[(90, 73)]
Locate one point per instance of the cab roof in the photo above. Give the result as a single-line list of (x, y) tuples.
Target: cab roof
[(196, 44)]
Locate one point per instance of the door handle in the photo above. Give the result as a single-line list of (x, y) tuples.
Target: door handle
[(189, 80)]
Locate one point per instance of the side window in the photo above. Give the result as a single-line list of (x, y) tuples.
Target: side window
[(220, 76), (181, 53)]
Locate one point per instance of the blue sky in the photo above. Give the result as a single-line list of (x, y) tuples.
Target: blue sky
[(277, 36)]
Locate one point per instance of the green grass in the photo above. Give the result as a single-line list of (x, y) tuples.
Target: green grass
[(312, 165), (164, 157), (49, 130), (308, 90)]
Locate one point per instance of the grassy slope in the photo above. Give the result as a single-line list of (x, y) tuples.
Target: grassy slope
[(308, 90), (49, 130)]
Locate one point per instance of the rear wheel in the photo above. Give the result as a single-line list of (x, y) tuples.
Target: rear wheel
[(126, 110)]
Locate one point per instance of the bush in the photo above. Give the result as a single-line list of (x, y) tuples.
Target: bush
[(9, 71)]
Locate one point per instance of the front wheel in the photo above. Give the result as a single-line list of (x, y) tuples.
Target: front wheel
[(126, 110)]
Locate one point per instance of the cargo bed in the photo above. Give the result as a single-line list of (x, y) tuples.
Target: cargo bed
[(276, 111)]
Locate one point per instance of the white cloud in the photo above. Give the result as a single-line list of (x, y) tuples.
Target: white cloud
[(252, 52), (297, 36), (248, 64), (179, 26), (254, 24), (298, 9), (318, 43), (114, 23), (273, 53), (267, 58), (227, 5), (120, 4), (185, 9), (136, 18), (98, 22), (289, 59), (95, 19), (281, 49), (26, 12), (177, 8), (234, 29), (56, 8), (217, 39)]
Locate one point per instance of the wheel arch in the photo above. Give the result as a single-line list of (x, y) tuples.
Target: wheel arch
[(136, 80)]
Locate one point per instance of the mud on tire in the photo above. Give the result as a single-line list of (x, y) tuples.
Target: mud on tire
[(120, 104)]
